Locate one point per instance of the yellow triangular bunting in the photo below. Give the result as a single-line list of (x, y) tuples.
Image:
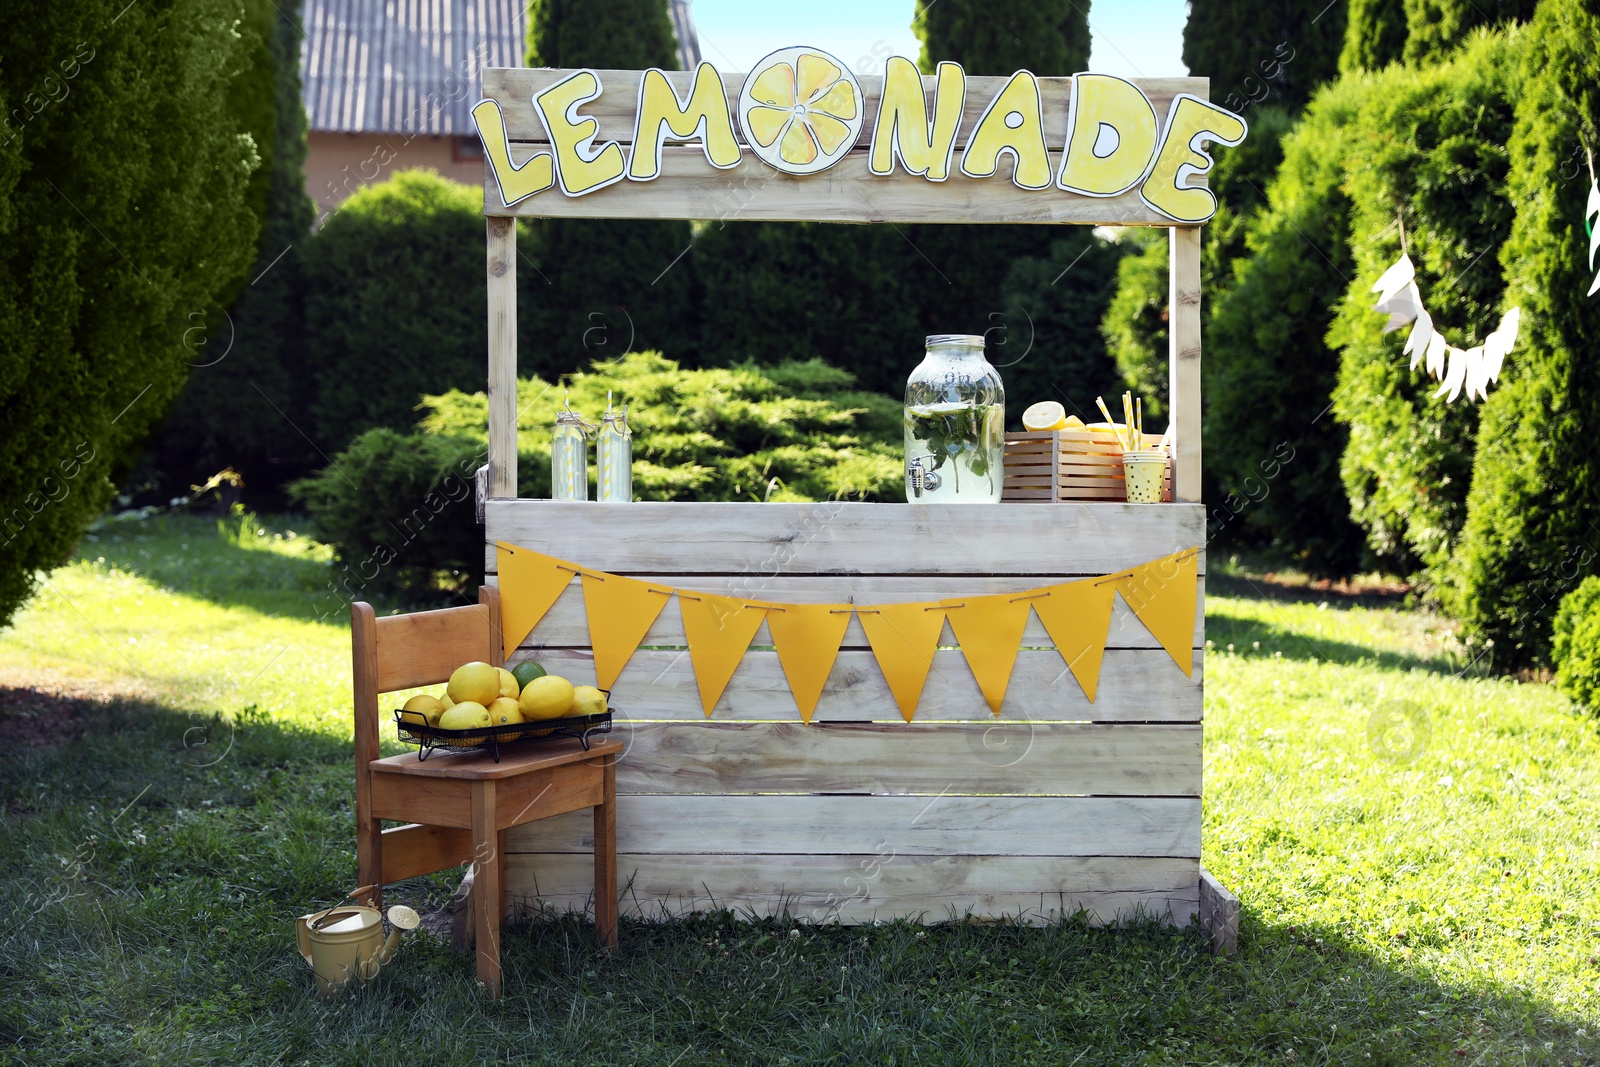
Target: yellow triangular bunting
[(903, 638), (621, 611), (807, 636), (530, 584), (989, 630), (719, 629), (1077, 616), (1163, 593)]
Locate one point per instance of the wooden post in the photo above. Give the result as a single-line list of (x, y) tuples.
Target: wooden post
[(1183, 361), (502, 247)]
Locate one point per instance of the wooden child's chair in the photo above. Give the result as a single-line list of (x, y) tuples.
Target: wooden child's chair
[(459, 804)]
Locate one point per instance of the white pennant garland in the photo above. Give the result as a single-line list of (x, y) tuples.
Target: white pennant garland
[(1459, 370), (1591, 219)]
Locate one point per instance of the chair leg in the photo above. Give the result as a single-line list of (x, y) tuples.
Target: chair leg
[(605, 860), (369, 857), (486, 884)]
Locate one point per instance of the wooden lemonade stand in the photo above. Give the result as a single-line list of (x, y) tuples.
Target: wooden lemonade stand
[(1057, 804)]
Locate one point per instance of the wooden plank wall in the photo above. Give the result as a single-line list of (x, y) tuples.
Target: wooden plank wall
[(690, 188), (1056, 805)]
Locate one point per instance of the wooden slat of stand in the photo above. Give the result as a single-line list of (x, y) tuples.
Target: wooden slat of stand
[(877, 886), (834, 537), (751, 191), (1141, 685), (917, 826), (566, 624), (1160, 759)]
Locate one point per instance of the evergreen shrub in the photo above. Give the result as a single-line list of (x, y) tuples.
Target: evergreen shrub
[(124, 222), (1433, 155), (1530, 534), (394, 305), (1576, 645), (796, 431)]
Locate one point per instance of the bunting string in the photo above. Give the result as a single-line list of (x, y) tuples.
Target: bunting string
[(1162, 594)]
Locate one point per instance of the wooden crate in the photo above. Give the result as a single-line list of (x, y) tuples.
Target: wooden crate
[(1069, 465)]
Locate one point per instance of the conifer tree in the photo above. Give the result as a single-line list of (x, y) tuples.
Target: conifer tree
[(1375, 35), (1271, 53), (605, 284), (123, 211), (1530, 532)]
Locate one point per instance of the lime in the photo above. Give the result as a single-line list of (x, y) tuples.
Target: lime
[(525, 672)]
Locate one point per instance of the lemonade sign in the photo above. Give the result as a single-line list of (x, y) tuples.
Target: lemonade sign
[(802, 111)]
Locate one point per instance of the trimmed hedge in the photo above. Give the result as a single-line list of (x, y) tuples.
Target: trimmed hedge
[(393, 305), (392, 507), (124, 221), (1530, 533), (1576, 645), (1272, 374), (1433, 151)]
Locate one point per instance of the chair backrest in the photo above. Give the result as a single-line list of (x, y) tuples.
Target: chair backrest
[(422, 648)]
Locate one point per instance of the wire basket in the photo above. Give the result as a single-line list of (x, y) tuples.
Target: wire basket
[(413, 729)]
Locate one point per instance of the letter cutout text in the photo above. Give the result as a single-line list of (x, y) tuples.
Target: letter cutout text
[(1191, 122), (1101, 102), (516, 183), (580, 167), (704, 115), (1013, 122), (903, 130)]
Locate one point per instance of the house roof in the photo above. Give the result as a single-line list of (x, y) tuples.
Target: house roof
[(404, 66)]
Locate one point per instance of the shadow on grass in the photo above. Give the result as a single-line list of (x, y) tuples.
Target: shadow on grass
[(150, 872), (1224, 629)]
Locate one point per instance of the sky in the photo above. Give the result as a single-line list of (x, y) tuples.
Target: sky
[(1131, 38)]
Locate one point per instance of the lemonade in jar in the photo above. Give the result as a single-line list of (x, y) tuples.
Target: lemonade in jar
[(954, 425)]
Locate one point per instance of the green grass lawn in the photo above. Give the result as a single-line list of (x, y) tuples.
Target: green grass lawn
[(1417, 849)]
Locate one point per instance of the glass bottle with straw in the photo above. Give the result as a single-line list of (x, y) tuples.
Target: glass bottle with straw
[(569, 455), (614, 457)]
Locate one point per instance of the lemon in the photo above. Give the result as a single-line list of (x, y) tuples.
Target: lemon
[(587, 700), (1073, 423), (504, 712), (475, 681), (1045, 415), (466, 715), (801, 110), (525, 672), (509, 686), (445, 702), (428, 706), (549, 697)]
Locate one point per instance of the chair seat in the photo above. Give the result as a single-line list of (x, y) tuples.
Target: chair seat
[(478, 765)]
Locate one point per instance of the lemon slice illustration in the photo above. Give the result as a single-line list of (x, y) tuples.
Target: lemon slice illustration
[(801, 110)]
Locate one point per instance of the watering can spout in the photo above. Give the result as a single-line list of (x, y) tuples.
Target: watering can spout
[(401, 919)]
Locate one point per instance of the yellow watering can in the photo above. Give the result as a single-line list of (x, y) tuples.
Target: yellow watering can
[(345, 942)]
